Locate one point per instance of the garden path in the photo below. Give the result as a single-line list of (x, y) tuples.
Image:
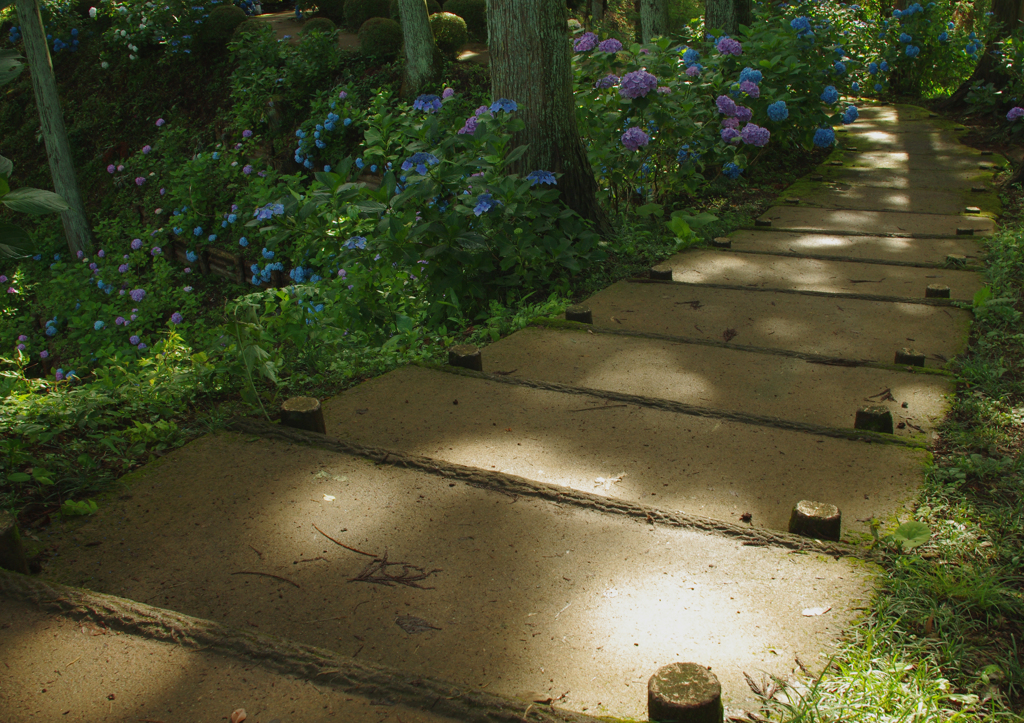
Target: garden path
[(602, 499)]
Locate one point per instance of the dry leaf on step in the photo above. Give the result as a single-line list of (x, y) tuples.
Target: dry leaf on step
[(238, 716)]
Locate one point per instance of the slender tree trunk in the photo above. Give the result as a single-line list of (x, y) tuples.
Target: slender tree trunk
[(653, 19), (55, 136), (1008, 15), (727, 15), (531, 64), (423, 61), (597, 11)]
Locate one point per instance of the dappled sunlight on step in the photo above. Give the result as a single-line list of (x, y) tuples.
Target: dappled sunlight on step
[(877, 248)]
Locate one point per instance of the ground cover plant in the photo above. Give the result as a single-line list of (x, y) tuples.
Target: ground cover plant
[(373, 230)]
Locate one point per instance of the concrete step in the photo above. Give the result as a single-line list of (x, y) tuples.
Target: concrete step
[(902, 162), (886, 177), (714, 266), (62, 668), (870, 198), (718, 378), (526, 597), (924, 142), (885, 249), (848, 328), (699, 465), (875, 222)]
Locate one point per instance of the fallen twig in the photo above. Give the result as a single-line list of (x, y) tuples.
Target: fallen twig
[(377, 573), (267, 574), (591, 409), (342, 544)]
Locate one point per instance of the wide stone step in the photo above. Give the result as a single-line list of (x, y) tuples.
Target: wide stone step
[(869, 198), (866, 124), (516, 596), (875, 222), (926, 141), (703, 466), (712, 266), (884, 177), (884, 249), (848, 328), (797, 389), (902, 162)]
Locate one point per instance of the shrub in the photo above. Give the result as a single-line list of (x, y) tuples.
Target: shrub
[(474, 12), (449, 33), (249, 25), (357, 12), (380, 36), (319, 25), (220, 26), (433, 6), (333, 10)]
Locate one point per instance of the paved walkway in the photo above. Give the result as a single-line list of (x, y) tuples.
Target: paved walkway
[(602, 499)]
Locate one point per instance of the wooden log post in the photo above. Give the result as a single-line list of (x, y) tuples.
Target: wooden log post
[(303, 413)]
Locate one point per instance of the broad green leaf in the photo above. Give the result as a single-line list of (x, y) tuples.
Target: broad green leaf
[(11, 62), (4, 188), (6, 167), (516, 153), (679, 227), (982, 295), (650, 209), (912, 534), (34, 200), (15, 243), (19, 477), (404, 323)]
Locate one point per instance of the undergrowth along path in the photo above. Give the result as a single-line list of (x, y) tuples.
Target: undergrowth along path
[(717, 395)]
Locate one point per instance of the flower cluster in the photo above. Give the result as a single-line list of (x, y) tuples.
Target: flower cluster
[(634, 139), (637, 84)]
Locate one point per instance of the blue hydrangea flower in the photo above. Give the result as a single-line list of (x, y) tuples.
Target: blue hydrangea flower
[(356, 242), (731, 171), (855, 87), (427, 103), (484, 203), (943, 37), (913, 51), (824, 138), (542, 177), (801, 24), (751, 75), (850, 115), (830, 95), (884, 66), (873, 68), (504, 104), (685, 154), (904, 38), (690, 57), (840, 68), (243, 242), (98, 325), (267, 253), (420, 161), (191, 256), (878, 87), (778, 111), (197, 231)]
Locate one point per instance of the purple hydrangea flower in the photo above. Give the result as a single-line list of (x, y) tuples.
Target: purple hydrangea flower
[(141, 346), (80, 254), (611, 45), (1014, 113), (664, 89), (139, 180), (634, 139), (123, 268), (693, 71), (730, 134), (136, 244), (744, 113), (637, 84), (750, 89), (111, 168), (728, 46), (755, 135), (146, 150), (726, 105), (176, 318), (246, 134), (138, 294), (101, 253), (134, 340), (585, 43), (22, 337), (160, 122), (731, 123), (44, 354), (156, 251), (607, 81), (447, 93), (469, 127)]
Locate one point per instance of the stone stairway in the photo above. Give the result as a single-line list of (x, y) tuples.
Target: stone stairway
[(603, 498)]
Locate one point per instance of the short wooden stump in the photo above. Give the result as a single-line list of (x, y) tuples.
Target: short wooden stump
[(581, 314), (466, 356), (819, 520), (303, 413), (661, 273), (722, 242), (936, 291), (911, 357), (874, 419), (12, 553), (684, 693)]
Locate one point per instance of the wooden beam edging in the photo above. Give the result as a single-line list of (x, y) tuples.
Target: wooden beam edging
[(879, 234), (807, 292), (509, 484), (851, 259), (306, 662), (692, 410), (551, 322)]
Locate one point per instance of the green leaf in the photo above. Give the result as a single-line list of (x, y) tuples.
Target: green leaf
[(403, 323), (650, 209), (73, 508), (516, 154), (6, 167), (679, 227), (982, 295), (11, 63), (15, 243), (34, 200), (19, 477), (911, 534)]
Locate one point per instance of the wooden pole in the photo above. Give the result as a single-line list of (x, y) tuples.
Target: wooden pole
[(55, 136)]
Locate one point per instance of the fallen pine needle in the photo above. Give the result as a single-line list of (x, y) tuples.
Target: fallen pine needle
[(341, 543), (267, 574)]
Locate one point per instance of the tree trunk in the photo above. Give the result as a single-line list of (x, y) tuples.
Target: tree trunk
[(653, 19), (1008, 15), (531, 64), (55, 136), (423, 61), (597, 11), (727, 15)]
